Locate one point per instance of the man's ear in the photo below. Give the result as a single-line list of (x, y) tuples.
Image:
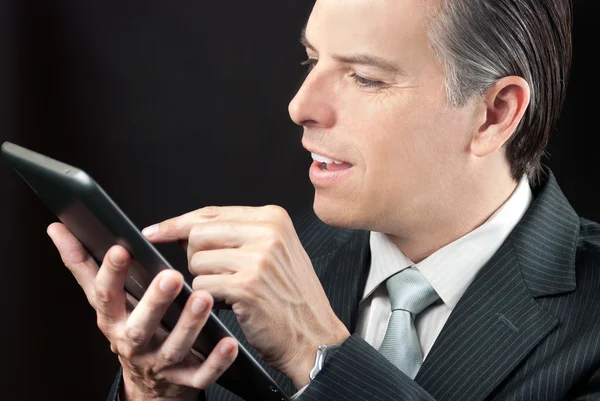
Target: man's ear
[(504, 105)]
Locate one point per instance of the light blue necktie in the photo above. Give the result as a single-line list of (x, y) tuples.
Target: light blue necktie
[(410, 293)]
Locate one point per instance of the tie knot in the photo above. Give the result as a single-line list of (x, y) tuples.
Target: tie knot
[(410, 291)]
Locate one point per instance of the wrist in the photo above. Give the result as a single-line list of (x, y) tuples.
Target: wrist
[(311, 360), (134, 390), (131, 391)]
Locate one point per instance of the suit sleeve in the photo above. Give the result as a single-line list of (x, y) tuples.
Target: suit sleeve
[(588, 390), (358, 372), (113, 395)]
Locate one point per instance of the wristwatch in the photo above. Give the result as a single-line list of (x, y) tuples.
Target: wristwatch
[(324, 352)]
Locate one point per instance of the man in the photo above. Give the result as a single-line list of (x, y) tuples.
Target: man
[(427, 121)]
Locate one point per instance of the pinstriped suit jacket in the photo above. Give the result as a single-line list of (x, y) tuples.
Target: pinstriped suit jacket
[(527, 328)]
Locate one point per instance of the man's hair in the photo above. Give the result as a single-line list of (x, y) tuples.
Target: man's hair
[(481, 41)]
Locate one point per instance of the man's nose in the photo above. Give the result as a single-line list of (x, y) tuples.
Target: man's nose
[(313, 105)]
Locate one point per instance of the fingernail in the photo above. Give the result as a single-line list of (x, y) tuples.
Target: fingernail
[(198, 305), (167, 284), (150, 231), (226, 348)]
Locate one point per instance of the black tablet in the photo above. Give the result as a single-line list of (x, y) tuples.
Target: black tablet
[(89, 213)]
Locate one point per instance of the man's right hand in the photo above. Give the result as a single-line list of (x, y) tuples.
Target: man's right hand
[(156, 365)]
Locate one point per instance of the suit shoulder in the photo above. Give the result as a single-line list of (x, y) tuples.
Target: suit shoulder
[(588, 253), (589, 235)]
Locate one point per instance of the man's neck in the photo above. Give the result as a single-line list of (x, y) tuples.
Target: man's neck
[(440, 232)]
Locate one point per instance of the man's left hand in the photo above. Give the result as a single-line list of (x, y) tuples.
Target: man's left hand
[(251, 258)]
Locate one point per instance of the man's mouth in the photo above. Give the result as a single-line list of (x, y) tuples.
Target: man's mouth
[(328, 164)]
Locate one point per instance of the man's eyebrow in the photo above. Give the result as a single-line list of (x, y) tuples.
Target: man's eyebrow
[(304, 40), (361, 58), (371, 60)]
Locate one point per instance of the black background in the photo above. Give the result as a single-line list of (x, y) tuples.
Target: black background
[(171, 106)]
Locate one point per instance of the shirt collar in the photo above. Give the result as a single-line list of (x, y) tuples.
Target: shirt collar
[(451, 269)]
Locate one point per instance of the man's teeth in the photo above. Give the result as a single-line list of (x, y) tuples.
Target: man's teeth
[(323, 159)]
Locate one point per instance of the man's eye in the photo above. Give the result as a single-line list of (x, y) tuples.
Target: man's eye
[(310, 63), (366, 83)]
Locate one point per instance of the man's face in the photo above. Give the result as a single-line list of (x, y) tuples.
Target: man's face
[(375, 100)]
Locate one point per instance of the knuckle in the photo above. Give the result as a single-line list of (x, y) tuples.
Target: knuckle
[(274, 232), (189, 324), (194, 263), (217, 368), (168, 226), (114, 349), (83, 260), (275, 244), (276, 211), (263, 261), (197, 231), (103, 323), (134, 337), (199, 283), (196, 283), (127, 352), (103, 295), (209, 211), (198, 235), (246, 285), (169, 357)]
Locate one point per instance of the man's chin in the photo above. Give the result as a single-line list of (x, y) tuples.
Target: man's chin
[(336, 215)]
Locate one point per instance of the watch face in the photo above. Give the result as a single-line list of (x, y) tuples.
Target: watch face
[(323, 352)]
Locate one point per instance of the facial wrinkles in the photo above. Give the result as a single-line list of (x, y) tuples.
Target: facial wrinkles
[(382, 28), (330, 143), (396, 31)]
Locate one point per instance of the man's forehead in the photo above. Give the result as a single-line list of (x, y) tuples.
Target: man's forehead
[(369, 25)]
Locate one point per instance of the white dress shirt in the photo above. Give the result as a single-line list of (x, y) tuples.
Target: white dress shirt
[(449, 270)]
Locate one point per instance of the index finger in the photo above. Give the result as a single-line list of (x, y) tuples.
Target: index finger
[(178, 228)]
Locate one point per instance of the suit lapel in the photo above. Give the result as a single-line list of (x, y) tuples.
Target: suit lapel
[(498, 322), (494, 326), (343, 274)]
